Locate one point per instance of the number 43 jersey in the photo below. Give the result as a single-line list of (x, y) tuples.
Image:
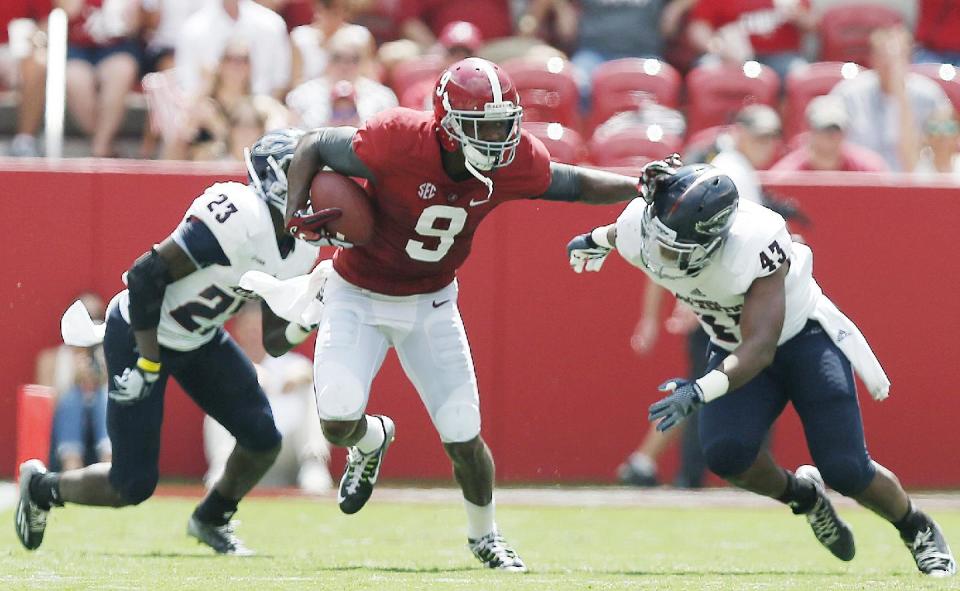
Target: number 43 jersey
[(426, 220), (227, 231), (758, 244)]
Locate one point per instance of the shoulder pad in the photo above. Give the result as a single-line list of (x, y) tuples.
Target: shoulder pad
[(233, 213)]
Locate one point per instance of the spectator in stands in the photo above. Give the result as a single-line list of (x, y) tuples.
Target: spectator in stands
[(938, 32), (295, 13), (22, 67), (78, 376), (751, 145), (206, 134), (423, 20), (458, 41), (768, 31), (939, 154), (102, 66), (311, 42), (351, 58), (288, 382), (163, 21), (889, 105), (206, 33), (824, 147)]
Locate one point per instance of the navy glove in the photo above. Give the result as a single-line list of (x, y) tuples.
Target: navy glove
[(654, 171), (585, 254), (685, 397)]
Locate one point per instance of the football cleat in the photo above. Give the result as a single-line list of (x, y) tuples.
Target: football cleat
[(29, 518), (222, 538), (494, 552), (931, 552), (633, 475), (362, 470), (830, 530)]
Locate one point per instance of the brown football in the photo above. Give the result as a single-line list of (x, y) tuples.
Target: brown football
[(331, 189)]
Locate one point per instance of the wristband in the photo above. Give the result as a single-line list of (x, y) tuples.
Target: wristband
[(148, 366), (296, 334), (599, 235), (714, 385)]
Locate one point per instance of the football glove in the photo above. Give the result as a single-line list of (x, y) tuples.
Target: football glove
[(685, 397), (585, 254), (652, 171), (312, 227), (136, 383)]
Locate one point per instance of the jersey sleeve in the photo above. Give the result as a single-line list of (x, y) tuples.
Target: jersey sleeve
[(629, 238), (767, 247), (530, 170), (374, 142), (199, 243), (232, 213)]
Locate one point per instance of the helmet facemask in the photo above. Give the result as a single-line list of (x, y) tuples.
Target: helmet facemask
[(470, 127), (670, 258), (267, 164)]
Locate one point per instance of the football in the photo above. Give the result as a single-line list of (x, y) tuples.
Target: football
[(331, 189)]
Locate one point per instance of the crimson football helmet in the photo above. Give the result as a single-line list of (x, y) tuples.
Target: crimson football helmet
[(477, 108)]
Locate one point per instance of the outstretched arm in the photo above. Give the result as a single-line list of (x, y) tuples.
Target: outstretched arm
[(589, 185)]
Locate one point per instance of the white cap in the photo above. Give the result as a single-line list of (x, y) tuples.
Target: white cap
[(827, 111)]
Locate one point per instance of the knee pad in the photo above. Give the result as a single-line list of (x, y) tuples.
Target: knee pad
[(457, 419), (728, 457), (137, 487), (848, 475), (340, 395)]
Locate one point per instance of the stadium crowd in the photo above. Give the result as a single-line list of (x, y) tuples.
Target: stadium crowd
[(613, 84)]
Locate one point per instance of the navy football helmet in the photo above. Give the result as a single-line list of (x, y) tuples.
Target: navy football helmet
[(267, 163), (687, 220)]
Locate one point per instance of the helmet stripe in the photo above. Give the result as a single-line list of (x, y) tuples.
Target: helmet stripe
[(494, 80), (707, 175)]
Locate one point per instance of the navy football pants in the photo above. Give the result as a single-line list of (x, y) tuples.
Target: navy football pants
[(218, 376), (810, 372)]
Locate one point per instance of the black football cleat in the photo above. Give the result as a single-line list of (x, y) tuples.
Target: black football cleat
[(829, 529), (30, 520), (931, 552), (222, 538), (362, 470)]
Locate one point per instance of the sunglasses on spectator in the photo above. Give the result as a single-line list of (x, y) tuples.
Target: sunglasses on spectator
[(236, 58), (942, 127), (345, 58)]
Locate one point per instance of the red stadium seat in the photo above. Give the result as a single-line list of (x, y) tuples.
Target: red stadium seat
[(625, 146), (565, 145), (947, 76), (807, 82), (548, 90), (717, 92), (408, 73), (34, 421), (621, 85), (845, 31)]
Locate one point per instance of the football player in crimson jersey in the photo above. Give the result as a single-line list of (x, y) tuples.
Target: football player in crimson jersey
[(774, 338), (434, 176)]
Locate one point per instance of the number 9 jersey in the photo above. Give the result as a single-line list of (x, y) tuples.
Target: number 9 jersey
[(426, 220), (226, 232), (757, 245)]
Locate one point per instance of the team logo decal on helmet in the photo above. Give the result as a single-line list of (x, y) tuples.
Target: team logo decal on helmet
[(267, 163), (687, 221)]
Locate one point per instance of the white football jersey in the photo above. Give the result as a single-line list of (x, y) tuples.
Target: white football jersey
[(195, 306), (758, 244)]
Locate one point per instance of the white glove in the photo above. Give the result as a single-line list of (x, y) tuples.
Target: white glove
[(585, 254), (136, 383)]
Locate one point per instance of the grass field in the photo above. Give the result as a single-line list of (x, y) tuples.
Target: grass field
[(393, 545)]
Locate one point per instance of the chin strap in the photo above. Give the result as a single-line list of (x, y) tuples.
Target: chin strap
[(487, 182)]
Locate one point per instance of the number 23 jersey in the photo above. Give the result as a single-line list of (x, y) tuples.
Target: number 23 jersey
[(758, 245), (425, 220), (226, 232)]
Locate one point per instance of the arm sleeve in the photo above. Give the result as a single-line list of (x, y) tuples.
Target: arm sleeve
[(564, 183), (199, 243), (337, 147)]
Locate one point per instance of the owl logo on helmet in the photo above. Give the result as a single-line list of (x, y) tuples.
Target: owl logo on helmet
[(477, 108), (687, 220), (267, 163)]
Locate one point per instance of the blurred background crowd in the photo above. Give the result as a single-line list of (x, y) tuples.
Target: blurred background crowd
[(611, 83)]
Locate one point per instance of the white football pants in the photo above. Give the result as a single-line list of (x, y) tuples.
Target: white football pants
[(426, 330)]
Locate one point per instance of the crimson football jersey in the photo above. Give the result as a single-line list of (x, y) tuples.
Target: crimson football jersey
[(425, 220)]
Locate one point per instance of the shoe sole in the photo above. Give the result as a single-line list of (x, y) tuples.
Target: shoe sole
[(27, 470)]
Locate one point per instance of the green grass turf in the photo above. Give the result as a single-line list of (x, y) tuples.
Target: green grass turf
[(307, 544)]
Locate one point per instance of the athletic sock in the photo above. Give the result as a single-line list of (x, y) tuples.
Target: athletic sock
[(800, 495), (911, 523), (216, 509), (373, 438), (45, 490), (479, 519)]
